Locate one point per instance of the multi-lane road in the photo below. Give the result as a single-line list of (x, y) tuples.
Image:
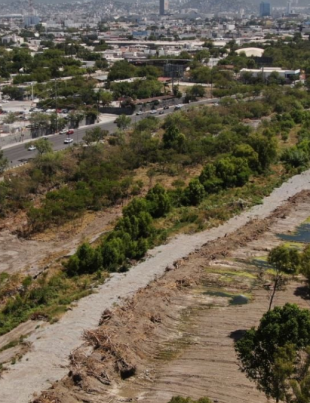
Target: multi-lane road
[(18, 153)]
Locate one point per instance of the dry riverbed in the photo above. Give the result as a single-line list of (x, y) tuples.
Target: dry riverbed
[(186, 300)]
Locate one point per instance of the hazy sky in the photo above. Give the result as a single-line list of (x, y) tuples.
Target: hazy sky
[(272, 2)]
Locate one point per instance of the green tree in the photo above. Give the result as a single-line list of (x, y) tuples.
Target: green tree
[(43, 146), (305, 263), (232, 171), (194, 193), (172, 138), (40, 123), (95, 135), (113, 253), (247, 152), (196, 91), (283, 260), (282, 369), (211, 183), (3, 162), (122, 70), (159, 203), (56, 123), (265, 147), (105, 98), (76, 117), (294, 157), (47, 165), (101, 64), (202, 56), (85, 260), (135, 207), (258, 349), (123, 122), (301, 384), (201, 75), (10, 118)]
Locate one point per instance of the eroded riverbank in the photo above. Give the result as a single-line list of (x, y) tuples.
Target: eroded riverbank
[(48, 359)]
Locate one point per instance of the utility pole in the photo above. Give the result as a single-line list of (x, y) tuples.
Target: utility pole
[(98, 101), (56, 104), (211, 80)]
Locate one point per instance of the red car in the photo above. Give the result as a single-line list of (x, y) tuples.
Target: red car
[(70, 131)]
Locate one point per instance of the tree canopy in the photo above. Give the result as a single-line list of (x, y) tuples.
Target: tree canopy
[(258, 349)]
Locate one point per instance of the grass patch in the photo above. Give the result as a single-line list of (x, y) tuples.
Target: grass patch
[(3, 277), (235, 273), (294, 245), (46, 298), (220, 207)]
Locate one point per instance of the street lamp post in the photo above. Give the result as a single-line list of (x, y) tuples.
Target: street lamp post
[(56, 104)]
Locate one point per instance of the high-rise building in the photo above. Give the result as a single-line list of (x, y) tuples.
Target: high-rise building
[(264, 9), (289, 8), (163, 7), (31, 20)]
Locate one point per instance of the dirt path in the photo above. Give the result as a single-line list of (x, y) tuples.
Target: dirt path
[(179, 331), (48, 360)]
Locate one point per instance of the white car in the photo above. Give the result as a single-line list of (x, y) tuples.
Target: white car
[(153, 111), (5, 101), (32, 148), (68, 140), (139, 113), (64, 131)]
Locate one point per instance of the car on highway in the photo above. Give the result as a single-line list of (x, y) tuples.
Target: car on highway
[(166, 107), (70, 131), (36, 110), (139, 113), (32, 148), (161, 112), (177, 107), (68, 140), (153, 112), (63, 131)]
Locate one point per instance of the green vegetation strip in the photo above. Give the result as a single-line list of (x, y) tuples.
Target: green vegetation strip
[(237, 172)]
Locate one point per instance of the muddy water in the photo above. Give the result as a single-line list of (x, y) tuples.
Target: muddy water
[(301, 235)]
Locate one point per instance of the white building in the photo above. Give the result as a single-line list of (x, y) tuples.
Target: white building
[(266, 71), (7, 39)]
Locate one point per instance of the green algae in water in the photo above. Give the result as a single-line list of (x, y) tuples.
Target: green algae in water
[(223, 294), (239, 300), (234, 299), (301, 235), (234, 274), (262, 263)]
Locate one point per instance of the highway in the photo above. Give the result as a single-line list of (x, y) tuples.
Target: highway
[(18, 154)]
